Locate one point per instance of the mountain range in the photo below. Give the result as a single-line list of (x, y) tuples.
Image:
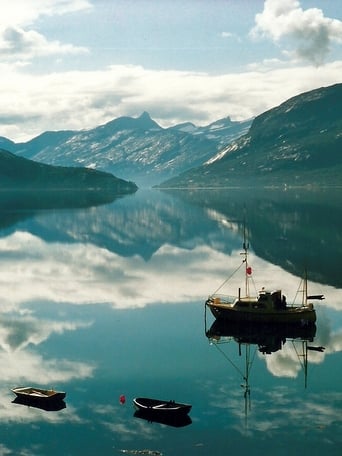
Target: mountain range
[(135, 149), (297, 143)]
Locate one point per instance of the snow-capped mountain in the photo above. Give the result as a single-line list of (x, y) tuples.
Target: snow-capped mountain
[(135, 149)]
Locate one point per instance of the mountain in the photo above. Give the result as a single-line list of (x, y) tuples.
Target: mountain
[(137, 149), (24, 182), (6, 144), (296, 143)]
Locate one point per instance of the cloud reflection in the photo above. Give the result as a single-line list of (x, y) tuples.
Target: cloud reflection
[(110, 417), (32, 269), (272, 410), (24, 414)]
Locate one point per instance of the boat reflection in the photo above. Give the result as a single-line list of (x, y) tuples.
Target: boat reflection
[(168, 420), (262, 337), (53, 406), (268, 337)]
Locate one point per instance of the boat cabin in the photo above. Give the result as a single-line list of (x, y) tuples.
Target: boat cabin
[(271, 300), (266, 300)]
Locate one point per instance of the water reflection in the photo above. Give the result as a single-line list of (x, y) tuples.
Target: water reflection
[(54, 406), (95, 300), (85, 273), (174, 421), (293, 228), (264, 339), (269, 338)]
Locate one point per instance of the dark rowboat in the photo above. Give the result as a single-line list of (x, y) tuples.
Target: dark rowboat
[(157, 406)]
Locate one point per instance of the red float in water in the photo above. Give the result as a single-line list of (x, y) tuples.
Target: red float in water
[(122, 399)]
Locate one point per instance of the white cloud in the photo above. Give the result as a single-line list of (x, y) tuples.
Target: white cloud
[(25, 12), (33, 103), (226, 35), (20, 42), (16, 43), (45, 97), (309, 31)]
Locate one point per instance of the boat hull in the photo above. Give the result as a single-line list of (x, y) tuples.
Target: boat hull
[(160, 407), (289, 315), (38, 394)]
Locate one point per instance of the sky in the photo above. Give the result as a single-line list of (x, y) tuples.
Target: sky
[(77, 64)]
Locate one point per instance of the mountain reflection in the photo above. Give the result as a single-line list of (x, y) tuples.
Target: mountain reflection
[(293, 229)]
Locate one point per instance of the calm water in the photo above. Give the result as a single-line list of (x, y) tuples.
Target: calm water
[(108, 301)]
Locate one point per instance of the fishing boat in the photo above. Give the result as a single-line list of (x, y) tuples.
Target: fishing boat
[(157, 406), (37, 394), (266, 306)]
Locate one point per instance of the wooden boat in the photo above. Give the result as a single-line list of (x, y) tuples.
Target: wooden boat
[(157, 406), (265, 307), (38, 394)]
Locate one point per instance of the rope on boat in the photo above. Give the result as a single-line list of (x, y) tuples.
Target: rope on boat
[(299, 290), (236, 270), (249, 367), (230, 361)]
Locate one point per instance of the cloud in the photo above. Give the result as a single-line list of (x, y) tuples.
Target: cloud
[(16, 43), (25, 12), (227, 35), (309, 31), (33, 103)]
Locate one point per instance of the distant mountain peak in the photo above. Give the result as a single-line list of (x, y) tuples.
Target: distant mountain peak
[(145, 116), (143, 122)]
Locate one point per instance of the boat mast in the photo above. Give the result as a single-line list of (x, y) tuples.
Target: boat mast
[(245, 246), (305, 288)]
